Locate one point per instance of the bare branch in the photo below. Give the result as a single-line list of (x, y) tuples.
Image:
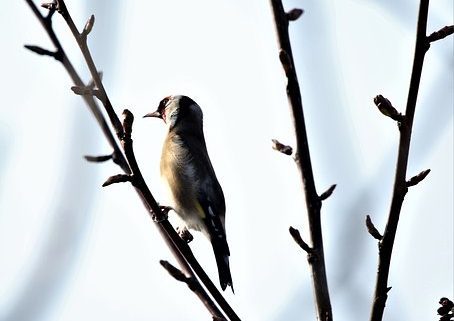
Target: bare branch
[(86, 91), (194, 286), (440, 34), (41, 51), (304, 165), (98, 159), (400, 184), (299, 240), (372, 229), (284, 149), (175, 272), (88, 26), (82, 42), (418, 178), (179, 248), (119, 178), (60, 55), (328, 192)]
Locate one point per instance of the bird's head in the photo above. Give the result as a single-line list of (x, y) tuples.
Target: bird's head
[(178, 110)]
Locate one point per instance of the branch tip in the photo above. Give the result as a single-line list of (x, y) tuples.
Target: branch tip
[(417, 178), (294, 14), (284, 149), (387, 109), (173, 271), (86, 91), (327, 193), (41, 51), (299, 240), (440, 34), (372, 229), (88, 26), (119, 178), (98, 159)]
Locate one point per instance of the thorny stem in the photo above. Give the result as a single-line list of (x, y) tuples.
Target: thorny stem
[(302, 157)]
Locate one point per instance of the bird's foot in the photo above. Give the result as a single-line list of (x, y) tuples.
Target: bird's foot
[(162, 215), (184, 234)]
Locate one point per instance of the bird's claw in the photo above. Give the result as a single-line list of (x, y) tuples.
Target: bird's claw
[(184, 234), (162, 215)]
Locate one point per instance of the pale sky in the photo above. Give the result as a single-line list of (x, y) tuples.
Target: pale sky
[(72, 250)]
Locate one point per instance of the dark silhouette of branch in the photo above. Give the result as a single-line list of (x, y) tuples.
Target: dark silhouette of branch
[(299, 240), (372, 229), (60, 55), (303, 161), (440, 34), (401, 184), (127, 162), (194, 285)]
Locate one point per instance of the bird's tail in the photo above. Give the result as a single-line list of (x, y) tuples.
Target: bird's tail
[(222, 253)]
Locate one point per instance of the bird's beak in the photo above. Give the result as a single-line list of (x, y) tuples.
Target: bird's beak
[(155, 114)]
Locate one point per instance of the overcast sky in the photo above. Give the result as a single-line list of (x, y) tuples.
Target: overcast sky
[(71, 250)]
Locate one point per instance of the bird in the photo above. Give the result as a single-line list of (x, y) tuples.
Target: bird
[(188, 175)]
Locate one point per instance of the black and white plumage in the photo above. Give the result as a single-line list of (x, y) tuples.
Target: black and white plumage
[(186, 169)]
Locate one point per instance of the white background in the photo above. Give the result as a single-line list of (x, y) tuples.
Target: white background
[(71, 250)]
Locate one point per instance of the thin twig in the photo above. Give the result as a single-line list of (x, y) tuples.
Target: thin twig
[(372, 229), (60, 55), (194, 285), (440, 34), (299, 240), (180, 249), (400, 183), (303, 161)]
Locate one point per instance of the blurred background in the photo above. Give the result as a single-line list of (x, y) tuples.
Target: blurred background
[(71, 250)]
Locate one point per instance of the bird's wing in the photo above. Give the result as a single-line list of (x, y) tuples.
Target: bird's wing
[(211, 200), (210, 193)]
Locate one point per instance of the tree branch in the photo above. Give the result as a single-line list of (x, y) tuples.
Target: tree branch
[(400, 184), (440, 34), (60, 55), (303, 162), (194, 285), (372, 229), (128, 163)]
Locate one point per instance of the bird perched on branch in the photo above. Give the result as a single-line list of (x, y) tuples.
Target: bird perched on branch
[(186, 169)]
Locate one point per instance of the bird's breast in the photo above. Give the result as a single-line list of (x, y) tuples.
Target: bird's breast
[(179, 175)]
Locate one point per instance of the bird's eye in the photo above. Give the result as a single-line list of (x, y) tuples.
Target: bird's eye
[(162, 104)]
